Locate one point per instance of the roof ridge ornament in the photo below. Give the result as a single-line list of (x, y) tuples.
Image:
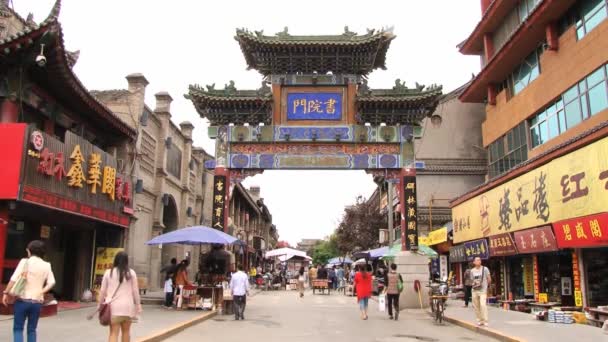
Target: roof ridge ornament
[(54, 14), (229, 89), (284, 33), (348, 33)]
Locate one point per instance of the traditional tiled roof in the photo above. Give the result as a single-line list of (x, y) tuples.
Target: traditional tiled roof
[(399, 105), (109, 94), (57, 77), (348, 53), (230, 105)]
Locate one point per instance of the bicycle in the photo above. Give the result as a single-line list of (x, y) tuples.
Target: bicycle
[(438, 295)]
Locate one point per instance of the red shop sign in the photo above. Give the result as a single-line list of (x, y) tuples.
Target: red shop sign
[(502, 245), (535, 240), (586, 231)]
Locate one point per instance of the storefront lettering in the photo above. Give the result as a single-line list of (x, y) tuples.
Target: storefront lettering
[(411, 208), (596, 230), (541, 206), (505, 211), (583, 231), (578, 192), (535, 240), (94, 172), (604, 175), (219, 194), (51, 164), (76, 174), (109, 182), (522, 210)]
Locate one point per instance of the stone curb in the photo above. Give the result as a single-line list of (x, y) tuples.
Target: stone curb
[(177, 328), (483, 331)]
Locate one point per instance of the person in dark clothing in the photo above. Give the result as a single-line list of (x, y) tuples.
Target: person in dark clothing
[(392, 280), (171, 268), (321, 273), (331, 275), (468, 285)]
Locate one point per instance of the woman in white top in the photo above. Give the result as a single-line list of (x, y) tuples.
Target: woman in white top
[(39, 280)]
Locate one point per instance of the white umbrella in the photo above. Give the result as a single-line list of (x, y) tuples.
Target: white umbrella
[(285, 251), (361, 262)]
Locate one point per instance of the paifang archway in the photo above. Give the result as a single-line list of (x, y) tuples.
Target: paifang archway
[(314, 110)]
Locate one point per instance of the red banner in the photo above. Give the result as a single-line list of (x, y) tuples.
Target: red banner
[(586, 231), (535, 240), (47, 199), (502, 245), (11, 147)]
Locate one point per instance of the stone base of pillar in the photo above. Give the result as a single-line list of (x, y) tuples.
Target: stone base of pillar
[(412, 267)]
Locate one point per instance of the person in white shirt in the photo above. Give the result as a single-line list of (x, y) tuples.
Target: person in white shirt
[(169, 291), (40, 280), (239, 288)]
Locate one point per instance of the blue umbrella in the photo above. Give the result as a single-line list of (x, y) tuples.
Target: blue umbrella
[(340, 260), (194, 236)]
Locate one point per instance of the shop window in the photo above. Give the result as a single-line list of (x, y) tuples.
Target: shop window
[(512, 21), (508, 151), (585, 99), (596, 275), (591, 14)]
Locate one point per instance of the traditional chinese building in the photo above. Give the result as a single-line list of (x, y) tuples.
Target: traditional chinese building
[(61, 179), (173, 189), (314, 110), (541, 217)]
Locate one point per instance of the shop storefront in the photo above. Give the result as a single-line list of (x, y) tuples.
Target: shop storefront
[(71, 196)]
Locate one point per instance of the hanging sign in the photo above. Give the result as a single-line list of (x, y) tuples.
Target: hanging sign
[(314, 106), (587, 231), (438, 236), (411, 212), (578, 298), (536, 278), (535, 240), (457, 254), (219, 202), (576, 273), (477, 248), (528, 276), (502, 245)]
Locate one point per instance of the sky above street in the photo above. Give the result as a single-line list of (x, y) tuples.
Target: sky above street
[(177, 43)]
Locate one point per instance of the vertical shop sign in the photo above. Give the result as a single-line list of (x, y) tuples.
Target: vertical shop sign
[(536, 280), (219, 198), (411, 212), (104, 260), (528, 276), (443, 266), (576, 276)]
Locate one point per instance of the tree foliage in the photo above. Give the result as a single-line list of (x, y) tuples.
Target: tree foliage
[(359, 228), (325, 250)]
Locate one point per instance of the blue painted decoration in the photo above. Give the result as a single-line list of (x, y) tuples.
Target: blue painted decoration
[(314, 106)]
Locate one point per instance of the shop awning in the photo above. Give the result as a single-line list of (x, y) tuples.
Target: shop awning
[(536, 240), (438, 236)]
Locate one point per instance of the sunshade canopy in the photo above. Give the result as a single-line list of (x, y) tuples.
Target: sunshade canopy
[(194, 236)]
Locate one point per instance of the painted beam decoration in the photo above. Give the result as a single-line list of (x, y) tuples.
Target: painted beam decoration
[(411, 212), (219, 202), (324, 106), (574, 185), (77, 177)]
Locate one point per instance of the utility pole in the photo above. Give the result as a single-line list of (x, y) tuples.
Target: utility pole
[(389, 195)]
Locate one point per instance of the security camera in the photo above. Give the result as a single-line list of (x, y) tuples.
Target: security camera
[(41, 60)]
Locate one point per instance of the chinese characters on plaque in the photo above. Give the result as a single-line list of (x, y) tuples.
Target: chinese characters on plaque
[(411, 212), (219, 202), (584, 231), (535, 240), (502, 245), (477, 248), (314, 106), (457, 254)]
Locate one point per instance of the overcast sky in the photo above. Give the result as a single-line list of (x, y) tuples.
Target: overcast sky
[(177, 43)]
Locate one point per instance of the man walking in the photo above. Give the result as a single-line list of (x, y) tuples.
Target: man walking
[(239, 287), (392, 280), (468, 285), (481, 280)]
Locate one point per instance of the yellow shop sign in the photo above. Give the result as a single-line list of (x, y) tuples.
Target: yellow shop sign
[(571, 186), (438, 236)]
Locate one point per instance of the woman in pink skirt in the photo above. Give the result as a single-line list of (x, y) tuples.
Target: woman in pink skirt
[(119, 288)]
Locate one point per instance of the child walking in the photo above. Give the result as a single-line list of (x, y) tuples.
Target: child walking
[(169, 291)]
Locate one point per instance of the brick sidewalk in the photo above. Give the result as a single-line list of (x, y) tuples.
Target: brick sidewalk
[(522, 327), (72, 325)]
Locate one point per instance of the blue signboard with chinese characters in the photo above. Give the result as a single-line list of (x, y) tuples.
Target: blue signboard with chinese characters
[(314, 106), (477, 248)]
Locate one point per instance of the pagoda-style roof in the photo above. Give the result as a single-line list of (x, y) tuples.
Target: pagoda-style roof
[(229, 105), (56, 77), (283, 53), (399, 105)]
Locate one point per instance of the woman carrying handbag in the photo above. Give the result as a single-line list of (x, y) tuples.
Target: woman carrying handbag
[(30, 281), (119, 298)]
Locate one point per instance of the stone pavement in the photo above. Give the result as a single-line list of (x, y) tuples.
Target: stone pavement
[(72, 325), (517, 326), (279, 316)]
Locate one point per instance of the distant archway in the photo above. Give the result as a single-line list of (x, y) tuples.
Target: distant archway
[(170, 221)]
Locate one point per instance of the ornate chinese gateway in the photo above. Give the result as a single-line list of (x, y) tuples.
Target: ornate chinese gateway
[(314, 109)]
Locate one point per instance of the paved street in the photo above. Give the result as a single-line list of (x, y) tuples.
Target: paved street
[(282, 316)]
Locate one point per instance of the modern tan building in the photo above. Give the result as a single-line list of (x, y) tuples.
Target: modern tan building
[(172, 189)]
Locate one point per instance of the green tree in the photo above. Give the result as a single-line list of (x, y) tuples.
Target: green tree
[(325, 250)]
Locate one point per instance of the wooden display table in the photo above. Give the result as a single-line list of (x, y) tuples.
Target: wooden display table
[(538, 307)]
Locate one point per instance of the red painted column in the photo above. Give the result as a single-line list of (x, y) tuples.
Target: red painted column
[(3, 236), (484, 5), (9, 111), (492, 94), (552, 36), (488, 46)]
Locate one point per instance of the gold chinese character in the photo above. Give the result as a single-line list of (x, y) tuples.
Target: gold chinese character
[(567, 233), (219, 225), (94, 172), (330, 106), (75, 174), (412, 238), (580, 232), (411, 225), (300, 103), (410, 186), (411, 212), (314, 106), (483, 248), (596, 231), (411, 200), (219, 199), (219, 185), (218, 211), (109, 182)]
